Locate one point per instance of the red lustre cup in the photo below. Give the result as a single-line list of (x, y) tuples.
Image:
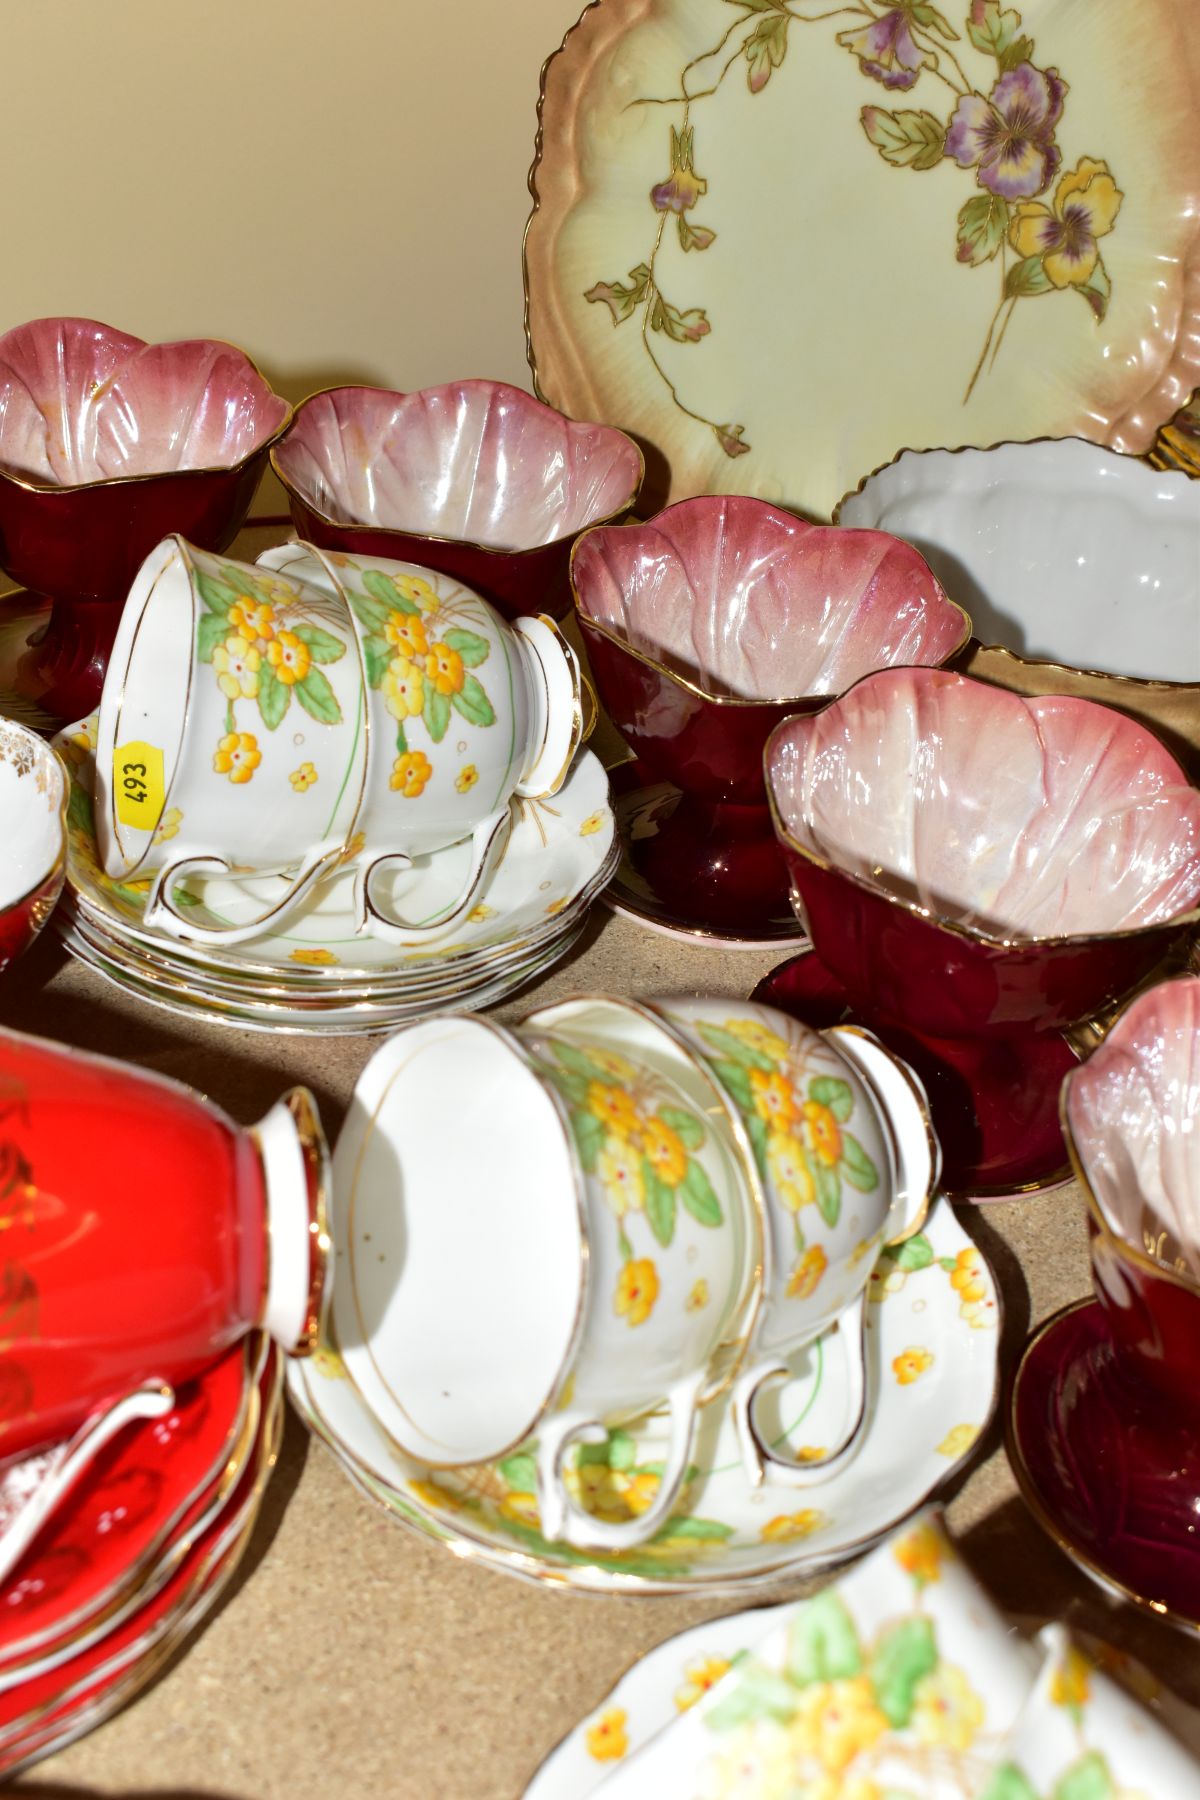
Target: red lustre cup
[(1131, 1118), (107, 444), (476, 479), (141, 1234), (982, 870), (718, 619)]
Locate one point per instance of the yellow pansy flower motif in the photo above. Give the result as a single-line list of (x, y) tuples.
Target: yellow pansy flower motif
[(407, 632), (1064, 234), (641, 1491), (757, 1035), (444, 667), (237, 664), (403, 688), (479, 915), (314, 959), (616, 1066), (788, 1528), (958, 1441), (637, 1290), (237, 756), (773, 1099), (466, 778), (289, 657), (168, 825), (612, 1494), (789, 1170), (410, 773), (614, 1109), (822, 1133), (522, 1508), (592, 824), (920, 1554), (836, 1720), (252, 620), (88, 735), (911, 1364), (431, 1493), (664, 1151), (807, 1273), (947, 1710), (886, 1278), (417, 591), (607, 1740), (1071, 1682), (863, 1248), (303, 777), (619, 1168), (698, 1678), (698, 1298)]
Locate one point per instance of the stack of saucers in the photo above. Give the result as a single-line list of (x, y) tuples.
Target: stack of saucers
[(134, 1555), (315, 972)]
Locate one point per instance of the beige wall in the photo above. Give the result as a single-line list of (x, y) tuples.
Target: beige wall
[(338, 187)]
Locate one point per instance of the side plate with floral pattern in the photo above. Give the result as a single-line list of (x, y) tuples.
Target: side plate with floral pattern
[(780, 241)]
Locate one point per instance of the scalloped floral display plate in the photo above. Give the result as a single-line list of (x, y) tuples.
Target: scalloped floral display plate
[(932, 1371), (781, 240)]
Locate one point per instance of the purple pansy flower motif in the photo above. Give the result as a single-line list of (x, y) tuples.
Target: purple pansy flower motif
[(886, 50), (1010, 135)]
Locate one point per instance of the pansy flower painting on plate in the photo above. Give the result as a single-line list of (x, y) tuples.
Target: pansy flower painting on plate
[(749, 213)]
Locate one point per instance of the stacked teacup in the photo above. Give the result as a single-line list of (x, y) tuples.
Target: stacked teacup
[(542, 1233), (331, 790)]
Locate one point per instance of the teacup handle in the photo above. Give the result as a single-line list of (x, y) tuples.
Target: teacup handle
[(558, 706), (760, 1459), (149, 1402), (488, 843), (163, 913), (562, 1520), (900, 1095)]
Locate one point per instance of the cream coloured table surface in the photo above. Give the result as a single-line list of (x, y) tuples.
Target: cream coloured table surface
[(353, 1657)]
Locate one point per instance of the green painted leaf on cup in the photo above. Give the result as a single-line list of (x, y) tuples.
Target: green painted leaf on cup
[(212, 630), (589, 1138), (318, 698), (752, 1692), (1089, 1779), (837, 1095), (1097, 290), (823, 1642), (685, 1125), (660, 1203), (473, 703), (371, 613), (470, 646), (733, 1047), (377, 653), (1008, 1783), (756, 1128), (857, 1166), (579, 1063), (696, 1192), (216, 595), (904, 1654), (79, 810), (274, 696), (437, 712), (386, 594), (1014, 54), (736, 1082), (829, 1190), (323, 647), (992, 30)]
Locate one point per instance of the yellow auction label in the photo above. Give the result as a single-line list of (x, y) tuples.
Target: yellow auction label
[(138, 785)]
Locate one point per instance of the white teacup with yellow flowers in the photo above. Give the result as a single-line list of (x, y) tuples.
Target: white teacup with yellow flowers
[(492, 1283), (841, 1138), (232, 733), (464, 710)]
